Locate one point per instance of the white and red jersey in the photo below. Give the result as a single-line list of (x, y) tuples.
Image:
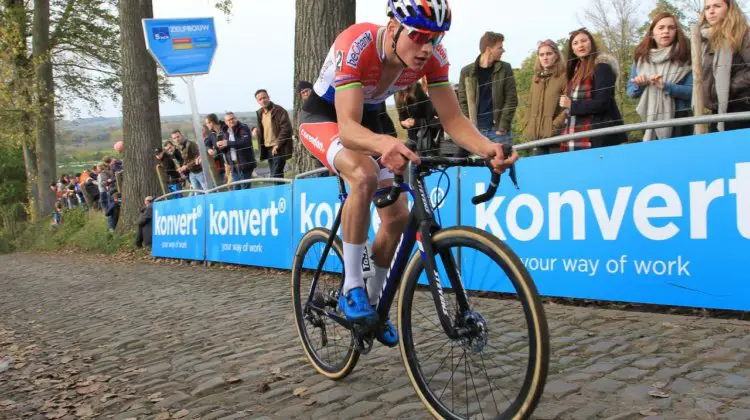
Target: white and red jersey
[(356, 60)]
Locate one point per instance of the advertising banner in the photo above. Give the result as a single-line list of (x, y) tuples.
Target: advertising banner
[(179, 228), (250, 227), (666, 222)]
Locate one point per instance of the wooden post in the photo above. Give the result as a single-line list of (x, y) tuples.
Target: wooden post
[(162, 179), (697, 59)]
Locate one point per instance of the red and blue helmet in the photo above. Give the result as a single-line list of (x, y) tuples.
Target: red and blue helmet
[(424, 15)]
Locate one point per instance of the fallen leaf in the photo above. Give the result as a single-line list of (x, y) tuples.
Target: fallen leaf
[(299, 391), (84, 390), (85, 411), (180, 414), (156, 396), (59, 413), (658, 394), (66, 360), (276, 371), (162, 416), (648, 412), (83, 383), (659, 385), (669, 325), (19, 365), (309, 402), (234, 380)]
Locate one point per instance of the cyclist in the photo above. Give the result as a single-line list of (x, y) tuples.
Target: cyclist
[(341, 126)]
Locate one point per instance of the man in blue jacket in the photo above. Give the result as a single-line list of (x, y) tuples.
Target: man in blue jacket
[(237, 147)]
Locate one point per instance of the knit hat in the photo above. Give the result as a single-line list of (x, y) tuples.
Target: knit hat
[(302, 85)]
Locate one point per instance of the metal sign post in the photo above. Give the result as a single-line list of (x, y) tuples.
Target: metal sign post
[(185, 48)]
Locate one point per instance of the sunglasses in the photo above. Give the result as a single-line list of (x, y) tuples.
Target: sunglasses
[(421, 37)]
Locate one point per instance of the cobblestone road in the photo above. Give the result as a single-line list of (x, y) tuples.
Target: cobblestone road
[(158, 341)]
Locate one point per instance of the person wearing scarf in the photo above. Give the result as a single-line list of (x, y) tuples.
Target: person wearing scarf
[(726, 60), (662, 78), (546, 117), (590, 100)]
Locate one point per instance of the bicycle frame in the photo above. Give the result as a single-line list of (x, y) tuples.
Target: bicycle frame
[(419, 229)]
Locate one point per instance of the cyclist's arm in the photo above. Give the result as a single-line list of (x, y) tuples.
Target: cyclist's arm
[(353, 135), (461, 130)]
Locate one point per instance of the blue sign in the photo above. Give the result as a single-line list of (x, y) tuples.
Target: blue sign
[(181, 46), (659, 223), (250, 227), (317, 203), (179, 229)]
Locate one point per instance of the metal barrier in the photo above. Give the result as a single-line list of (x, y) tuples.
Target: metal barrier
[(310, 174), (178, 192), (675, 122), (249, 181)]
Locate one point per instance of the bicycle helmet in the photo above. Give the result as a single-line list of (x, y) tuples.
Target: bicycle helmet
[(426, 15)]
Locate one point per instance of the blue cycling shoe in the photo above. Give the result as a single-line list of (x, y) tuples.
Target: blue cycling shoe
[(356, 306), (388, 335)]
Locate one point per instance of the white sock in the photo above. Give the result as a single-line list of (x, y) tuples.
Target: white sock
[(375, 284), (353, 266)]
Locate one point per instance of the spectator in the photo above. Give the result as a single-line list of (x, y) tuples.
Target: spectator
[(115, 165), (590, 99), (113, 211), (103, 180), (174, 152), (546, 117), (216, 132), (191, 161), (57, 216), (143, 236), (487, 90), (170, 169), (238, 151), (726, 61), (662, 78), (416, 115), (304, 89), (274, 133), (78, 185)]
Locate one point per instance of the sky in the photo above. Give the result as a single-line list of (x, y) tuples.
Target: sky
[(256, 45)]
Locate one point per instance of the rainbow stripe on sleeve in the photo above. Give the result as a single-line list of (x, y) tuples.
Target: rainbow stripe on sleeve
[(438, 82)]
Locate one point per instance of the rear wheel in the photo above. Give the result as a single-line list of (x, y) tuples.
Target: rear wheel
[(328, 345), (498, 368)]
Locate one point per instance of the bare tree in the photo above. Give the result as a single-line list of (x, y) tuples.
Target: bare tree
[(140, 111), (617, 22), (317, 24)]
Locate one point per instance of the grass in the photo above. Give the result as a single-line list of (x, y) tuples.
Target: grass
[(80, 231)]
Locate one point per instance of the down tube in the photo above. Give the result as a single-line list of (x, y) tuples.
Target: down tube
[(395, 274)]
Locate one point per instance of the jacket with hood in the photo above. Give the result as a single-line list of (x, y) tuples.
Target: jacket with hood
[(545, 118), (504, 96), (602, 106)]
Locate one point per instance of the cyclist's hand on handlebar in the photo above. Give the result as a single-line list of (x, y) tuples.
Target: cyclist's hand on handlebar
[(395, 155), (498, 161)]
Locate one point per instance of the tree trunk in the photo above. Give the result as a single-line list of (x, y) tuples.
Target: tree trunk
[(140, 112), (317, 24), (45, 121), (16, 12)]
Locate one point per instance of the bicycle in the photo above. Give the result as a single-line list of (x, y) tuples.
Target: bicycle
[(443, 254)]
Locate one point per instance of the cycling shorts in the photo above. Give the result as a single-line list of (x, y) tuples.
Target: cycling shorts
[(319, 132)]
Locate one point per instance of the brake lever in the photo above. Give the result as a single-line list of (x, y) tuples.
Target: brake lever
[(507, 152)]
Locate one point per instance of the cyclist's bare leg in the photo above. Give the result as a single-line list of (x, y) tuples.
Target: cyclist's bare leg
[(361, 173), (393, 220)]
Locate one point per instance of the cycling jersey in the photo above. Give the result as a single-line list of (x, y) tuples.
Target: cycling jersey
[(356, 60)]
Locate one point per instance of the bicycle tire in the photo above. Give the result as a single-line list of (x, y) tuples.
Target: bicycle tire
[(350, 357), (536, 371)]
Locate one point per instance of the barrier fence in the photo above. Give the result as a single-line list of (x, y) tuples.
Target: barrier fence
[(666, 222)]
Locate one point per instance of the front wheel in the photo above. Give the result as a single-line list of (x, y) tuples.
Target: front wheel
[(498, 368), (328, 345)]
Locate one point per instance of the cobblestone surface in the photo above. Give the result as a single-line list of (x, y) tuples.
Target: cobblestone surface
[(92, 339)]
